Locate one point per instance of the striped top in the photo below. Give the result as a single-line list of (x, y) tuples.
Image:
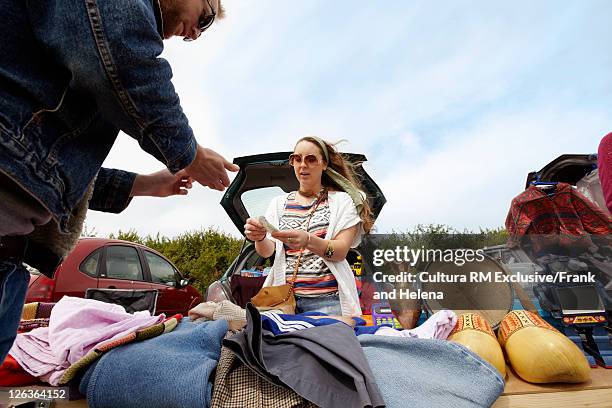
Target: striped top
[(314, 277)]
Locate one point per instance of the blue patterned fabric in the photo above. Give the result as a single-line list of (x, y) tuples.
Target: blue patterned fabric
[(279, 323)]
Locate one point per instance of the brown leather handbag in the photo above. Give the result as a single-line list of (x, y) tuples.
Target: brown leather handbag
[(276, 298), (281, 297)]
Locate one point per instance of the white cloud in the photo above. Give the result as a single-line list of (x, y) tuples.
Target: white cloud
[(470, 181), (410, 141)]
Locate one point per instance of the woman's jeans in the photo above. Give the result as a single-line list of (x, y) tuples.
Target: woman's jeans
[(14, 279), (328, 304)]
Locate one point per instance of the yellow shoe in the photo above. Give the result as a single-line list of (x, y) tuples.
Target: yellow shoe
[(475, 333), (538, 352)]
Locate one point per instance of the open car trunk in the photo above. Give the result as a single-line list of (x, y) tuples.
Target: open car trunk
[(579, 170), (261, 178), (264, 176)]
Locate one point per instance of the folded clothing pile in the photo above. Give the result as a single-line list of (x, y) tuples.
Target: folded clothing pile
[(173, 370), (76, 326), (237, 386), (323, 364)]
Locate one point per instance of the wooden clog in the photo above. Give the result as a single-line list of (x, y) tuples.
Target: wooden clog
[(475, 333), (538, 352)]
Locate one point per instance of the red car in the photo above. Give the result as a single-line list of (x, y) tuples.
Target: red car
[(113, 264)]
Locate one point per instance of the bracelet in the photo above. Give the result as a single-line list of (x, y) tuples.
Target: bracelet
[(329, 251), (308, 242), (262, 239)]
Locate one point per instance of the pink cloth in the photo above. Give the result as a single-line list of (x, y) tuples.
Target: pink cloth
[(438, 326), (76, 326), (604, 164)]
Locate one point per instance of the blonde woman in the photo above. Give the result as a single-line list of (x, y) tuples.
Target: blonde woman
[(318, 224)]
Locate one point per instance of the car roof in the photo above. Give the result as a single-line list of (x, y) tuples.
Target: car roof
[(96, 242)]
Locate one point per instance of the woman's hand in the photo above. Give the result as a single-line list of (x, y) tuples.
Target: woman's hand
[(299, 239), (295, 239), (253, 230)]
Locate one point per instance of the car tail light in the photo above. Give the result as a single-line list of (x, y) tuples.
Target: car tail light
[(41, 290), (215, 293)]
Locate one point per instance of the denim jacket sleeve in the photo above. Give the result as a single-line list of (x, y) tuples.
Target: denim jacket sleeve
[(112, 190), (112, 51)]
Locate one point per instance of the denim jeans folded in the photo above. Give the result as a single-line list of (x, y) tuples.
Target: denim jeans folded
[(328, 304), (173, 370), (413, 372)]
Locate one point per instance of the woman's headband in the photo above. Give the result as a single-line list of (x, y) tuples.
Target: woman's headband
[(323, 147)]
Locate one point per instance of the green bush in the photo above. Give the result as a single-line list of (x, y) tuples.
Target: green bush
[(203, 255), (206, 254), (445, 237)]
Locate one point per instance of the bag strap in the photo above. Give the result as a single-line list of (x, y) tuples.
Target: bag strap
[(312, 210)]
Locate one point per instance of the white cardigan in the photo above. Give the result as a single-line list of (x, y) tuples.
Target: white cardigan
[(343, 215)]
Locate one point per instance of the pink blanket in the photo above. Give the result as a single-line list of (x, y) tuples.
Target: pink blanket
[(76, 326)]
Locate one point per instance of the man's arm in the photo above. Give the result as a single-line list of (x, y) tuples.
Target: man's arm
[(161, 184), (112, 52), (114, 189)]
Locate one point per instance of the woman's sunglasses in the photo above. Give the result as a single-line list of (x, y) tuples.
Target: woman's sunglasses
[(309, 159), (204, 23)]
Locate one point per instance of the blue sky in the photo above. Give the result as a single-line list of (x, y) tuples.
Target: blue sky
[(452, 102)]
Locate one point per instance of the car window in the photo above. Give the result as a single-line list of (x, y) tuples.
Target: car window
[(256, 201), (161, 270), (122, 262), (256, 261), (90, 264)]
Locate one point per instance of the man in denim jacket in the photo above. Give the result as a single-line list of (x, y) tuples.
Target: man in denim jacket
[(72, 74)]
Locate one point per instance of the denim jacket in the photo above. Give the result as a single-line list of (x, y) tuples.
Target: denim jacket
[(111, 192), (72, 74)]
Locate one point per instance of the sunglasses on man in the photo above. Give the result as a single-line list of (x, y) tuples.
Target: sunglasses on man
[(309, 159), (204, 23)]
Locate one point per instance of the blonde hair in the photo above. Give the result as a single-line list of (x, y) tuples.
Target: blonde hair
[(221, 11)]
